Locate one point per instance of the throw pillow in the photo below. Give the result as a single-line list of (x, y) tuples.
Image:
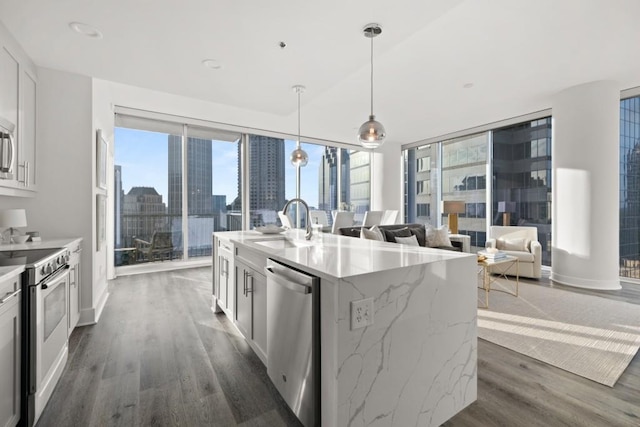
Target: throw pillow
[(390, 235), (411, 241), (372, 234), (420, 234), (520, 244), (438, 237)]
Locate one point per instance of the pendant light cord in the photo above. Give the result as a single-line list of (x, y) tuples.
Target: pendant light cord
[(372, 35), (298, 144)]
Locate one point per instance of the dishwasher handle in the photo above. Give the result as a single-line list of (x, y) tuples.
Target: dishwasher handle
[(286, 282)]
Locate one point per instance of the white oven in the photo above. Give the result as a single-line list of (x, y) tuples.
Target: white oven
[(44, 346), (48, 301)]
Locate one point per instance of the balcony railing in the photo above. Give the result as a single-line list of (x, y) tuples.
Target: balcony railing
[(134, 236)]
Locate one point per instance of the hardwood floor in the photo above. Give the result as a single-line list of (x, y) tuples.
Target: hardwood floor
[(516, 390), (159, 356)]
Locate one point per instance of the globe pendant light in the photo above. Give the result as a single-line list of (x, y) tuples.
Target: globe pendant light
[(299, 157), (371, 134)]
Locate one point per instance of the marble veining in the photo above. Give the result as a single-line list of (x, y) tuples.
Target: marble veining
[(416, 365)]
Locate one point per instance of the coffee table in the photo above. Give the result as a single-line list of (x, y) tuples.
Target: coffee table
[(490, 275)]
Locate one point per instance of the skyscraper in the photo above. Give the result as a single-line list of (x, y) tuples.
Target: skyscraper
[(328, 178), (266, 176), (199, 176), (143, 213)]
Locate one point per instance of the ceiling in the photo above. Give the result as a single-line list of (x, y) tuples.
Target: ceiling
[(514, 54)]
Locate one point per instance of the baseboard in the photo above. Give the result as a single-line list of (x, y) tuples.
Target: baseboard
[(578, 282), (90, 316), (101, 303)]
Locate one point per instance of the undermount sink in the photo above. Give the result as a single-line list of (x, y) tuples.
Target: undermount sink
[(283, 243)]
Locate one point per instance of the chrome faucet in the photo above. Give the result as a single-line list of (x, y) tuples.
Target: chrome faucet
[(307, 235)]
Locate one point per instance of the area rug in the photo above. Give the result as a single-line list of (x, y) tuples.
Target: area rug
[(590, 336)]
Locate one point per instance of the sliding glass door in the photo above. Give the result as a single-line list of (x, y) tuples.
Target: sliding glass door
[(174, 186)]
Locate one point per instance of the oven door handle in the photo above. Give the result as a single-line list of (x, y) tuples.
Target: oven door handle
[(54, 277)]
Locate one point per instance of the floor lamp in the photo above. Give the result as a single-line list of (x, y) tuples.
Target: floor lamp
[(453, 208), (506, 208)]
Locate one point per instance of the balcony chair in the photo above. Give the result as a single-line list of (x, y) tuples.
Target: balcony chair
[(521, 242), (372, 218), (285, 219), (319, 217), (159, 249), (341, 219), (389, 217)]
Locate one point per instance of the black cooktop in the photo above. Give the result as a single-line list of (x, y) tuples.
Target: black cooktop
[(24, 257)]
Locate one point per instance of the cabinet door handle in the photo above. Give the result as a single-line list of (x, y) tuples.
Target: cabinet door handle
[(26, 176), (22, 166), (244, 284), (9, 295), (250, 289), (226, 267)]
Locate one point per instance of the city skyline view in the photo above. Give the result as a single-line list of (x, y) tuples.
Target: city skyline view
[(143, 157)]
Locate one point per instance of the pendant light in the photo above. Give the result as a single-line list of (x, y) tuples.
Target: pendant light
[(299, 157), (371, 134)]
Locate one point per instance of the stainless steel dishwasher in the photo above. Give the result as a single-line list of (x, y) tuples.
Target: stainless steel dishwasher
[(293, 339)]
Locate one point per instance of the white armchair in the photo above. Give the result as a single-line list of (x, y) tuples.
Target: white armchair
[(521, 242)]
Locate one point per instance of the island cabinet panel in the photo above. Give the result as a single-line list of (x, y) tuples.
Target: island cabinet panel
[(244, 300), (259, 318), (10, 339), (251, 299), (224, 276)]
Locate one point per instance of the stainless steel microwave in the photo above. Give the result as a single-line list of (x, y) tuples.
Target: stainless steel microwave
[(7, 149)]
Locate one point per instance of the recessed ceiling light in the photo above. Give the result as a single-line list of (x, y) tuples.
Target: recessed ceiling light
[(467, 85), (85, 30), (212, 63)]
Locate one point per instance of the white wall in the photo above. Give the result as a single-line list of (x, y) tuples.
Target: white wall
[(64, 204), (586, 230)]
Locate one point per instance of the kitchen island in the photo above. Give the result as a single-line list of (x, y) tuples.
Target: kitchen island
[(416, 364)]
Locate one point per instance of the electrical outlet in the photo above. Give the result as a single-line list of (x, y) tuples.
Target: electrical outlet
[(361, 313)]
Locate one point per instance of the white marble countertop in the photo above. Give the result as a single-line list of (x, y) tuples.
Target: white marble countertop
[(59, 242), (338, 256), (10, 270), (44, 244)]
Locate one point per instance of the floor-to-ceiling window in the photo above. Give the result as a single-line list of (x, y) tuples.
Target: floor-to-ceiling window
[(630, 187), (522, 178), (141, 193), (334, 178), (464, 178), (519, 183), (421, 172), (174, 186)]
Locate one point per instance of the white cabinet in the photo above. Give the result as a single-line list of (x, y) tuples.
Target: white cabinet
[(224, 275), (18, 86), (244, 300), (10, 342), (75, 273), (26, 172), (251, 299), (9, 78)]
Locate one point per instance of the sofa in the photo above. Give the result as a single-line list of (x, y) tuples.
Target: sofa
[(425, 237), (521, 242)]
